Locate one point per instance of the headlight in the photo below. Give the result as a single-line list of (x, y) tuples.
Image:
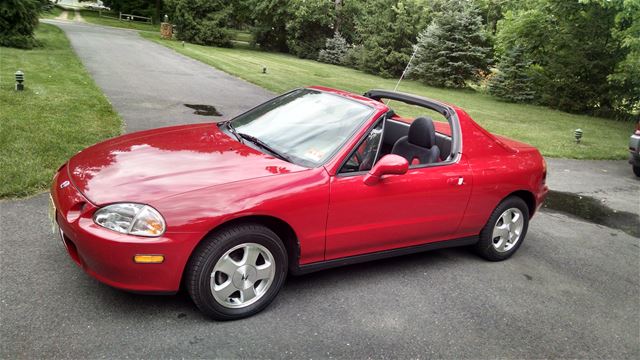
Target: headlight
[(133, 219)]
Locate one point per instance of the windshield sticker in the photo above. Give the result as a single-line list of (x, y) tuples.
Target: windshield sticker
[(313, 154)]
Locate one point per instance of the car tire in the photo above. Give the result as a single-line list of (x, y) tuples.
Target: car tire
[(236, 272), (636, 170), (505, 231)]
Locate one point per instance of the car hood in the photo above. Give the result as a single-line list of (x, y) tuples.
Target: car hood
[(154, 164)]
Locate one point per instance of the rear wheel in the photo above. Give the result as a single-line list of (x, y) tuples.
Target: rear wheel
[(505, 231), (237, 272), (636, 170)]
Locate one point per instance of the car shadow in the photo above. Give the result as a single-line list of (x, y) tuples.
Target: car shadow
[(122, 304)]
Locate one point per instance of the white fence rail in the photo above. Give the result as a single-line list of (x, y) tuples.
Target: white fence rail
[(131, 17)]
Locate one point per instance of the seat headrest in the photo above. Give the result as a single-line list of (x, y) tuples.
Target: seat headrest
[(422, 132)]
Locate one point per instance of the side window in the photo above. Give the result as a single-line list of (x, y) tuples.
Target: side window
[(366, 154)]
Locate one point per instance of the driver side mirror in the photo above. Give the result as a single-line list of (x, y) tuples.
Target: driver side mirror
[(388, 165)]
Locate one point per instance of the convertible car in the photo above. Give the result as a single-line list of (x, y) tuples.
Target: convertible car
[(312, 179)]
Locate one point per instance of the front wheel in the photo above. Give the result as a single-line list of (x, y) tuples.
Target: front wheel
[(505, 231), (237, 272), (636, 170)]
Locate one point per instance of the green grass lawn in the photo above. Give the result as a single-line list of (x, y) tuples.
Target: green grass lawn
[(93, 17), (241, 35), (549, 130), (60, 112), (54, 12)]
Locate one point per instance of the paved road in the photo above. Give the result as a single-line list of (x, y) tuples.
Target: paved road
[(572, 290), (612, 182), (149, 84)]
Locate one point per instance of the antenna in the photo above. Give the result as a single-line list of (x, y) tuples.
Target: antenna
[(404, 72)]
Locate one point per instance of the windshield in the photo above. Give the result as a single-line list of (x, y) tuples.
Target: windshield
[(305, 126)]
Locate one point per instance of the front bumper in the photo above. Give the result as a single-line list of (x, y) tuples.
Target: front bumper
[(541, 196), (107, 255), (634, 150)]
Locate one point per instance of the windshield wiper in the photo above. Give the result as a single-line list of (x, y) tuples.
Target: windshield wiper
[(263, 145), (228, 125)]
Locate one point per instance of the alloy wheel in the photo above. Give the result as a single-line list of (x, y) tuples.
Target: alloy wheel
[(242, 275), (507, 230)]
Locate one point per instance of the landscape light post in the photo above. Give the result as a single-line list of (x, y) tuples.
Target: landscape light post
[(578, 135), (19, 80)]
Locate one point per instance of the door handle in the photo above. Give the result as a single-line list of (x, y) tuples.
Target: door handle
[(458, 180)]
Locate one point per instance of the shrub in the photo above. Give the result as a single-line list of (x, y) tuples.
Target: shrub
[(210, 33), (201, 21), (354, 57), (18, 19), (335, 50)]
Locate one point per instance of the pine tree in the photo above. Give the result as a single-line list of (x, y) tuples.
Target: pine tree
[(453, 49), (18, 19), (335, 50), (387, 31), (512, 82)]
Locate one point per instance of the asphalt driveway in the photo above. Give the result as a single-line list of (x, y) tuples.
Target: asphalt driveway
[(149, 84), (572, 290)]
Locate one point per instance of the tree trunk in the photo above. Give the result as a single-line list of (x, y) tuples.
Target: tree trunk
[(158, 18), (338, 6)]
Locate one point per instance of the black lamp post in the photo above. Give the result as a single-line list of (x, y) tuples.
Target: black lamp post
[(19, 80)]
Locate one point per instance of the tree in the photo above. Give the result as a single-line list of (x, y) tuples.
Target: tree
[(625, 80), (201, 21), (492, 11), (270, 18), (512, 82), (346, 15), (453, 49), (571, 46), (18, 19), (335, 50), (308, 27), (387, 30), (301, 27)]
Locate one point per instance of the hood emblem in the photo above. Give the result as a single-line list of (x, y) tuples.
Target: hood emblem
[(64, 184)]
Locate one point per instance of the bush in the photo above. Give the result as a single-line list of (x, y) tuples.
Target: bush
[(210, 33), (201, 21), (354, 57), (335, 50), (18, 19)]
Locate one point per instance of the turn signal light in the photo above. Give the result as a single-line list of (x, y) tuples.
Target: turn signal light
[(148, 259)]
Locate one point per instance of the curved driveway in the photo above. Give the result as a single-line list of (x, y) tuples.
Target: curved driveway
[(149, 84), (572, 291)]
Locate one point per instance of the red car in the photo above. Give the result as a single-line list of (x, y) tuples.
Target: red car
[(313, 179)]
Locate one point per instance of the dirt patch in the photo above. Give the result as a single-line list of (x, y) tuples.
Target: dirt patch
[(79, 17), (63, 15)]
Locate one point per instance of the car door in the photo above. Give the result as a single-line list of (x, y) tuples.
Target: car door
[(424, 205)]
